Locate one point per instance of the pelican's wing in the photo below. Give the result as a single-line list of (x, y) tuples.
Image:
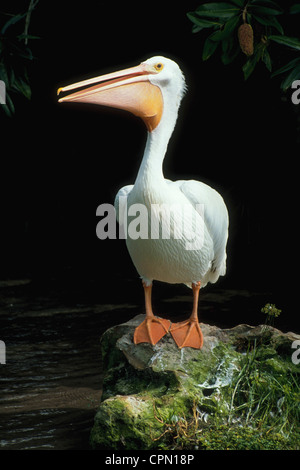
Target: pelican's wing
[(119, 203), (216, 220)]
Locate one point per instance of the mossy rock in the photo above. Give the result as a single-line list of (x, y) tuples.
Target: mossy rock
[(160, 397)]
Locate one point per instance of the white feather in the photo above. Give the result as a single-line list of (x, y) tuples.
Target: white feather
[(169, 260)]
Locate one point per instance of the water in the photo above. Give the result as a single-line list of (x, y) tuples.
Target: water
[(50, 386)]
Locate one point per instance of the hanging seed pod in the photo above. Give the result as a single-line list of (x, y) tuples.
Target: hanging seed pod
[(245, 35)]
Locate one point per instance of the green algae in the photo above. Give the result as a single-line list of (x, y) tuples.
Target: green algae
[(241, 391)]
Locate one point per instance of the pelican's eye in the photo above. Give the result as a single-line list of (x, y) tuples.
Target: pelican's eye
[(159, 66)]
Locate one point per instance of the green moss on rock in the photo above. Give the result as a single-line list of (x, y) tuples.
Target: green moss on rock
[(241, 391)]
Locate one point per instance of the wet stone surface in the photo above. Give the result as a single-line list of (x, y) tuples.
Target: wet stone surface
[(161, 397)]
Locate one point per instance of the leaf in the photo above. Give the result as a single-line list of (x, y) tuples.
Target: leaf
[(267, 59), (294, 75), (9, 107), (229, 53), (17, 48), (275, 23), (22, 87), (13, 20), (249, 66), (295, 8), (4, 74), (203, 23), (286, 41), (269, 21), (227, 45), (209, 48), (217, 10), (265, 10), (239, 3), (266, 2), (229, 27), (27, 36), (196, 29), (12, 76), (26, 53), (290, 65)]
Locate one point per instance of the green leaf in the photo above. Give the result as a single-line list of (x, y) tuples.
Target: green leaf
[(229, 27), (286, 41), (270, 3), (202, 22), (295, 8), (265, 10), (217, 10), (269, 21), (294, 75), (22, 87), (249, 66), (290, 65), (23, 36), (13, 20), (239, 3), (12, 77), (17, 48), (267, 59), (277, 25), (209, 48), (26, 53), (4, 74), (9, 107), (196, 29), (229, 52)]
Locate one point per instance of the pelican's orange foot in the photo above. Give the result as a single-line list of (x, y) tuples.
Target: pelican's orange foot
[(187, 334), (151, 330)]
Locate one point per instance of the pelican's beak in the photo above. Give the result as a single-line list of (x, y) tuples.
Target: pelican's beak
[(128, 89)]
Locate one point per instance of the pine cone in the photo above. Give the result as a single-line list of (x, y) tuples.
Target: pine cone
[(245, 35)]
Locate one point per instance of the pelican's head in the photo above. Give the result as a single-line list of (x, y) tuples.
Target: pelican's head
[(142, 90)]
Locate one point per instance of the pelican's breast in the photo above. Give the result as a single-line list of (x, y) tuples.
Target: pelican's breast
[(167, 238)]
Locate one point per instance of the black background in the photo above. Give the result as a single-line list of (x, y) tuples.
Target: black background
[(60, 161)]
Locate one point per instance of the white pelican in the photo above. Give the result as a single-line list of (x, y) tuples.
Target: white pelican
[(153, 91)]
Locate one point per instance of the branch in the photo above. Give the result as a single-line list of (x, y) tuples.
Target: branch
[(31, 7)]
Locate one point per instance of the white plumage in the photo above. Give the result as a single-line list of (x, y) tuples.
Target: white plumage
[(153, 91), (169, 260)]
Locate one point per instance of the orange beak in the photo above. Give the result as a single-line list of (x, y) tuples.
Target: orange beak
[(129, 89)]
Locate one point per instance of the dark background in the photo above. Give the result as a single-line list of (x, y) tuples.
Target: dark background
[(60, 161)]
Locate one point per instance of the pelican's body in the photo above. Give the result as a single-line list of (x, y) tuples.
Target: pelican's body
[(198, 255), (169, 260)]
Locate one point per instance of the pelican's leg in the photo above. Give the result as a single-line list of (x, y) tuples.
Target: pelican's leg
[(152, 329), (188, 333)]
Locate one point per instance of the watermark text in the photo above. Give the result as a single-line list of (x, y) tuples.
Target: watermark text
[(159, 221), (2, 92), (296, 94), (296, 354), (2, 352)]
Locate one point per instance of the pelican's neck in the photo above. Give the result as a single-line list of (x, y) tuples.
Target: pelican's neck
[(151, 169)]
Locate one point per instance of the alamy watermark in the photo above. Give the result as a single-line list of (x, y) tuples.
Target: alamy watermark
[(296, 94), (2, 92), (296, 354), (2, 352), (160, 221)]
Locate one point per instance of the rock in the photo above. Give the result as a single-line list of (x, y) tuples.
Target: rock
[(230, 394)]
